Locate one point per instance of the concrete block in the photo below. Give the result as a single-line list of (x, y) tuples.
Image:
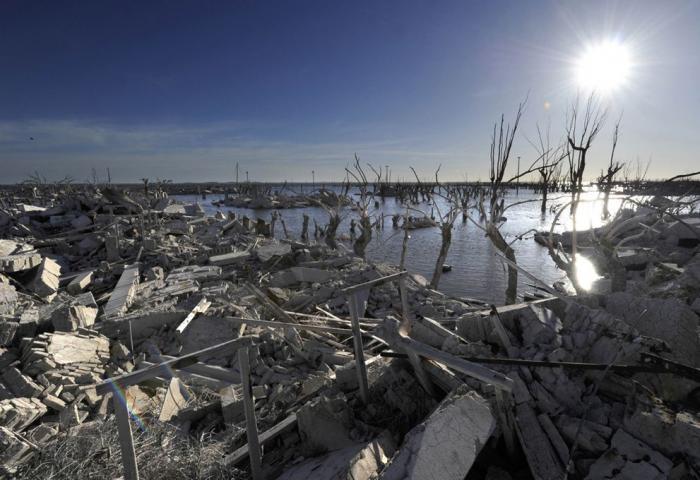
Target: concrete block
[(446, 444)]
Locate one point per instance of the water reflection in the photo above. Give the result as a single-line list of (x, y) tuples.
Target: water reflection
[(586, 274), (476, 272)]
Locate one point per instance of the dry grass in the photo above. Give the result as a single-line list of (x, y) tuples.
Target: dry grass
[(162, 453)]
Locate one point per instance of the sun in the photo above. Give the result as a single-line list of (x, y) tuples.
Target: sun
[(604, 67)]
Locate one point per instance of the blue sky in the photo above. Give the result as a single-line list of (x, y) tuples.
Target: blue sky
[(184, 90)]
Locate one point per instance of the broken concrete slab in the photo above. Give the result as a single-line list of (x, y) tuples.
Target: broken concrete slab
[(8, 329), (357, 462), (21, 385), (19, 262), (232, 258), (80, 282), (311, 275), (20, 412), (72, 317), (175, 400), (8, 299), (200, 273), (267, 252), (667, 319), (46, 280), (541, 457), (629, 458), (447, 443), (667, 431), (325, 424), (123, 293), (14, 450)]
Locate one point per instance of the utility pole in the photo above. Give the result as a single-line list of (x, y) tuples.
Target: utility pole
[(313, 179), (236, 173), (246, 177), (386, 180)]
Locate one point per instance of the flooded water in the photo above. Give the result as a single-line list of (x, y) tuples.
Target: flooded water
[(476, 271)]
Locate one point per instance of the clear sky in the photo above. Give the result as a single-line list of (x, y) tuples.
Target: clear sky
[(184, 90)]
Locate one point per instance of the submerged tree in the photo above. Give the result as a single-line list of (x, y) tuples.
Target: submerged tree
[(550, 168), (606, 180), (580, 134), (446, 217), (360, 244), (501, 146)]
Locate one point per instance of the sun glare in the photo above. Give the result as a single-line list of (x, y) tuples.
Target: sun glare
[(604, 67)]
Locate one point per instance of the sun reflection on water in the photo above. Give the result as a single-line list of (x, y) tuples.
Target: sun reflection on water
[(586, 274)]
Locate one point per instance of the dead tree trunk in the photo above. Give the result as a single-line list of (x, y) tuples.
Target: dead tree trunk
[(446, 234), (305, 228), (331, 228), (500, 243), (365, 237)]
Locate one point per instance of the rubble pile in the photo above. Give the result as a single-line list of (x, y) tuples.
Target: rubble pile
[(289, 357)]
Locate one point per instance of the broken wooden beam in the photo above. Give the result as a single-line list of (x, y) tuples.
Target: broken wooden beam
[(241, 453), (371, 283), (360, 366), (249, 408), (138, 376), (126, 441), (201, 307), (391, 334)]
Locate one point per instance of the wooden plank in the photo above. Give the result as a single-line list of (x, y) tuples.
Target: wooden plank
[(249, 408), (390, 333), (191, 379), (201, 307), (371, 283), (211, 371), (241, 453), (414, 359), (539, 453), (138, 376), (360, 366), (299, 326), (269, 304), (126, 441)]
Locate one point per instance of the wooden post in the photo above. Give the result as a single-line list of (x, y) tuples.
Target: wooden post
[(360, 366), (249, 408), (404, 302), (504, 406), (126, 441), (415, 360)]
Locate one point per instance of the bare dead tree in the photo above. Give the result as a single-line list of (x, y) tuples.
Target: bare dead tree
[(606, 180), (446, 217), (580, 134), (145, 186), (551, 163), (501, 146), (635, 173), (363, 205)]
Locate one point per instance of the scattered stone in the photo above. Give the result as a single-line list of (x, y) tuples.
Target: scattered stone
[(233, 258), (80, 283), (46, 281), (8, 298), (14, 451), (357, 462), (629, 458), (123, 293), (175, 400)]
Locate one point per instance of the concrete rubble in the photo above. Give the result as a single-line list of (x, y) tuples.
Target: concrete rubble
[(102, 284)]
